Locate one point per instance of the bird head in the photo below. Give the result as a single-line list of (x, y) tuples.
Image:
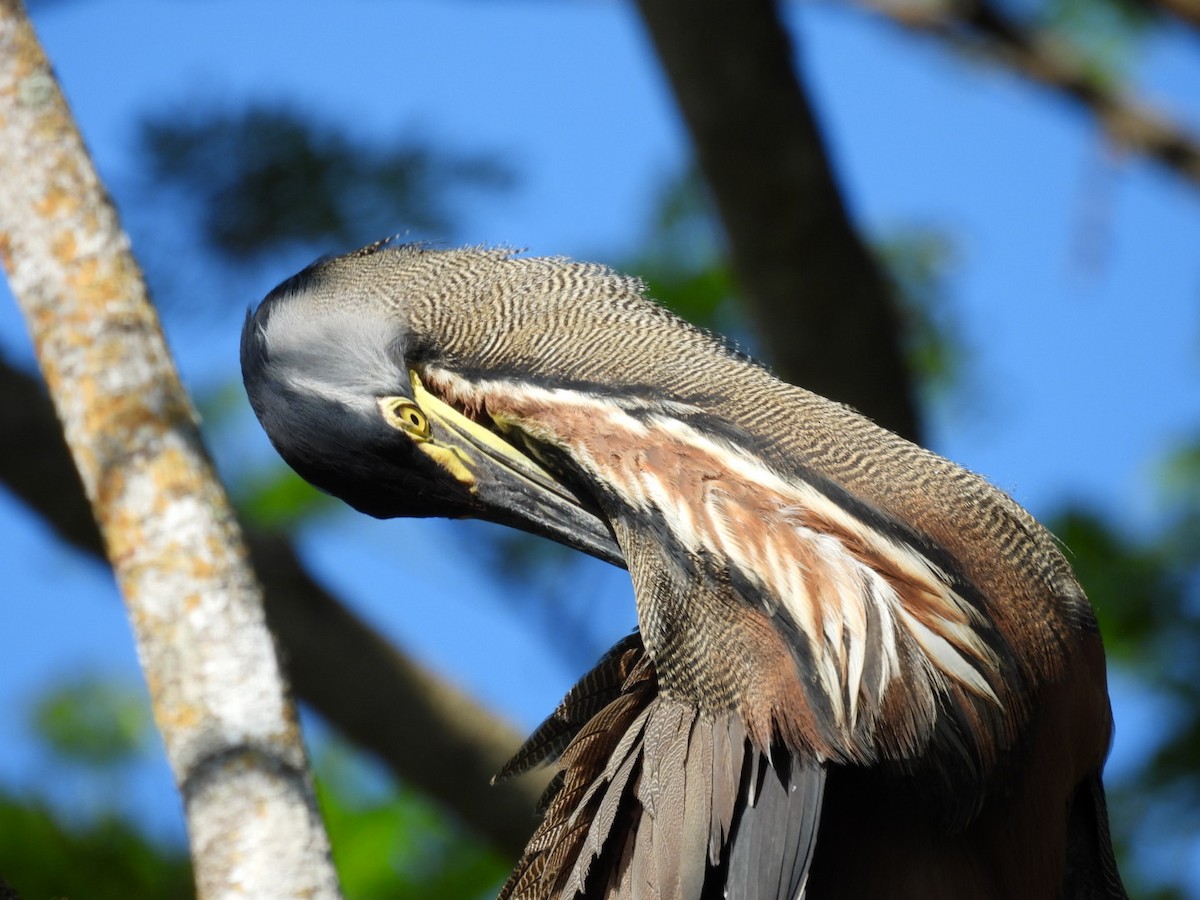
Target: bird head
[(333, 360)]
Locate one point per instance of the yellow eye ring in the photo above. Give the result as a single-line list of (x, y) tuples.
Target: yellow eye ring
[(404, 415)]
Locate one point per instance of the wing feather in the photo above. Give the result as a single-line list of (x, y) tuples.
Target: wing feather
[(772, 846), (660, 800), (589, 696)]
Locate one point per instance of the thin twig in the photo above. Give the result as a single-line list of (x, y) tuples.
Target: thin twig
[(982, 26), (1186, 11)]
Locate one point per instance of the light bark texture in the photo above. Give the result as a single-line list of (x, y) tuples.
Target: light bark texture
[(821, 303), (219, 697)]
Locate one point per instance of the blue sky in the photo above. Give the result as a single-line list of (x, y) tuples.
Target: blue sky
[(1076, 270)]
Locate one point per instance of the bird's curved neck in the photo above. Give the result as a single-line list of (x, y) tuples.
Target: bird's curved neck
[(738, 547)]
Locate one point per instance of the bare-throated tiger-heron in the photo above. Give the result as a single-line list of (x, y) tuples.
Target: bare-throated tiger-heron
[(860, 671)]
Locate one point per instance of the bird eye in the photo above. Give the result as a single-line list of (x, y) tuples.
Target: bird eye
[(404, 415)]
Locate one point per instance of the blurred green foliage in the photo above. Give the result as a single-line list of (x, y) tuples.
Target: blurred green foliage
[(387, 841), (1105, 34), (917, 260), (277, 499), (681, 259), (94, 728), (390, 842), (93, 721), (679, 254), (1146, 590), (267, 176), (107, 858)]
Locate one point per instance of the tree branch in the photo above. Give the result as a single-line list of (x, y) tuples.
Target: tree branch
[(363, 686), (219, 699), (432, 735), (818, 297), (980, 25), (1186, 11)]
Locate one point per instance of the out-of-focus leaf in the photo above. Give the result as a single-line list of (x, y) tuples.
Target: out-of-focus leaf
[(1126, 583), (268, 177), (1180, 488), (1146, 590), (389, 843), (279, 499), (917, 259), (697, 295), (680, 258), (1179, 476), (93, 720), (105, 860), (1105, 34), (218, 406)]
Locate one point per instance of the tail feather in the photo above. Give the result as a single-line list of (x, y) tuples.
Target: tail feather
[(659, 800), (697, 810), (729, 747), (601, 827), (773, 842), (663, 793), (590, 751)]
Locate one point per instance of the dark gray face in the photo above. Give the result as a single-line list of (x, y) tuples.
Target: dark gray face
[(329, 380), (313, 377)]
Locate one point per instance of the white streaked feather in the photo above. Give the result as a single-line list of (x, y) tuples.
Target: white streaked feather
[(962, 635), (837, 631), (856, 659), (942, 654), (681, 523)]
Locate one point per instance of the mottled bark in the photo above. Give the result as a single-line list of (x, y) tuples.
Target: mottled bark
[(370, 691), (219, 699), (819, 299), (982, 26)]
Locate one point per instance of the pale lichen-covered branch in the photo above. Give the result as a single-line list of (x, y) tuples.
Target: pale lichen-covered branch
[(219, 698)]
